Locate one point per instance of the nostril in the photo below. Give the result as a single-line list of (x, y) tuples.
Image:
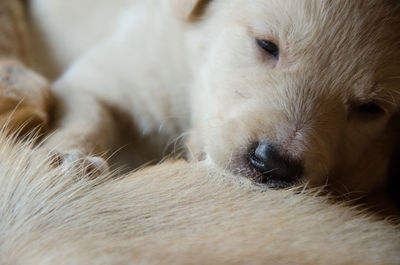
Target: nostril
[(265, 158)]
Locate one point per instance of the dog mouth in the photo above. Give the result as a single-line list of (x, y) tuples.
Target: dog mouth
[(245, 169)]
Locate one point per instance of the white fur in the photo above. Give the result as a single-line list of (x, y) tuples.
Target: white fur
[(173, 213), (208, 78)]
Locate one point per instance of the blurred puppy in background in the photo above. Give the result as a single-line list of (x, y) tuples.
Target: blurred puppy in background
[(25, 96)]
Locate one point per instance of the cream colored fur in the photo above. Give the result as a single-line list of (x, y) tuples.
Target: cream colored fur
[(175, 72), (25, 96), (173, 213)]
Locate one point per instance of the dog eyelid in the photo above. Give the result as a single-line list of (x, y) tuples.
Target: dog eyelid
[(370, 108)]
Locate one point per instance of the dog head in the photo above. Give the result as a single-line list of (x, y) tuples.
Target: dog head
[(296, 91)]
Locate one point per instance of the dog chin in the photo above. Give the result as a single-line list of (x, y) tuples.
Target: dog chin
[(243, 168)]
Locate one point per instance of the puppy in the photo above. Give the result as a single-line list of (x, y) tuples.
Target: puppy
[(173, 213), (282, 92), (25, 96)]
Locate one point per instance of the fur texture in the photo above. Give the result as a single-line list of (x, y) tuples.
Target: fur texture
[(25, 96), (195, 70), (13, 32), (173, 213)]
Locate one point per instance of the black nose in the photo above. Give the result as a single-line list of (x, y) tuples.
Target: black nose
[(266, 159)]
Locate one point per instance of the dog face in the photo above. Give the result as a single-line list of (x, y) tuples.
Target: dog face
[(297, 91)]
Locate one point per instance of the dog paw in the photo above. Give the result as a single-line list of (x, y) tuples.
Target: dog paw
[(85, 165), (25, 98)]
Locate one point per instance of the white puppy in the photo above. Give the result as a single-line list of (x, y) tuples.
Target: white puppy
[(279, 91)]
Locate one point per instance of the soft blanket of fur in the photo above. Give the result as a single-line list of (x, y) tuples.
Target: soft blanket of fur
[(173, 213)]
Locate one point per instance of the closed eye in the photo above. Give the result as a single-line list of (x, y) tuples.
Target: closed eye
[(269, 47), (370, 108)]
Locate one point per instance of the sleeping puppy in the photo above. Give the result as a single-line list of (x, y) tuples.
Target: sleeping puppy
[(282, 92), (25, 96)]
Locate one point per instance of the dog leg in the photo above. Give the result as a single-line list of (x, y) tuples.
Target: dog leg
[(85, 129), (85, 118), (118, 75)]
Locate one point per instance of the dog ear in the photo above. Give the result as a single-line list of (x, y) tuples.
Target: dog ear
[(189, 10)]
